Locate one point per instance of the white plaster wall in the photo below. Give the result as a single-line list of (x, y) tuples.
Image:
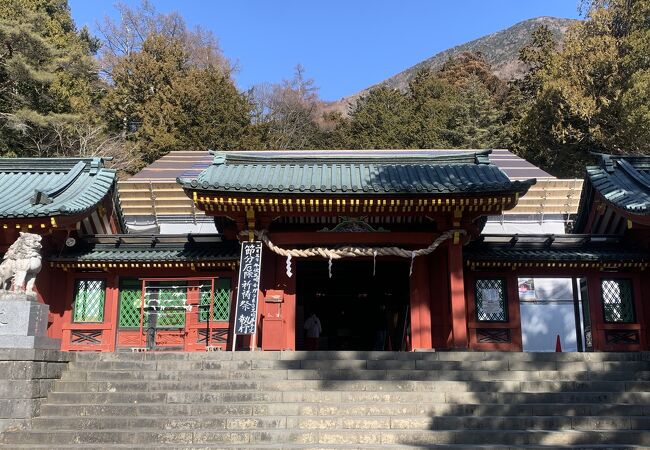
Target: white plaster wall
[(513, 226), (170, 227), (184, 228)]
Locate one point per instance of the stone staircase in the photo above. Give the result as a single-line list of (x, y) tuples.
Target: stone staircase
[(360, 400)]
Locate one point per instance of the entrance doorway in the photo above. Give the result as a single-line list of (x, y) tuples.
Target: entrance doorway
[(551, 308), (358, 310)]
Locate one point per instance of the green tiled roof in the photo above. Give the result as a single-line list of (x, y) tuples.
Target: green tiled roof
[(155, 248), (622, 180), (533, 248), (374, 172), (42, 187)]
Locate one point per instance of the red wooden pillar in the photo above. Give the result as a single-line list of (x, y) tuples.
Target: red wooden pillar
[(457, 293), (420, 305), (112, 306), (288, 312), (192, 317), (514, 313), (66, 332), (644, 301), (637, 295), (439, 289)]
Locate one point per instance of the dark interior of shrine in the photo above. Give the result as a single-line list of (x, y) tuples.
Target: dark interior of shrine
[(358, 309)]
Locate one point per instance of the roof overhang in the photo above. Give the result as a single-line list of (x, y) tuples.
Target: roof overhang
[(40, 193), (364, 182), (106, 252), (619, 186), (572, 251)]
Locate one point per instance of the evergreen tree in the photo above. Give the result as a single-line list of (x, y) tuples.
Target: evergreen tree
[(165, 97), (592, 94), (48, 80), (432, 104), (380, 120), (475, 116), (635, 101), (458, 106)]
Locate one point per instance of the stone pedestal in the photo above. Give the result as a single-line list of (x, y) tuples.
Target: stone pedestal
[(23, 322)]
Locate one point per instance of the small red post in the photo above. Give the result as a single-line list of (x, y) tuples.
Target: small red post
[(558, 344)]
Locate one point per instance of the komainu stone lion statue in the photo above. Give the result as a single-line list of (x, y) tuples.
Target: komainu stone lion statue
[(21, 264)]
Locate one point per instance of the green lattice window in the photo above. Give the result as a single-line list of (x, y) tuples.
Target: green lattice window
[(169, 299), (618, 305), (491, 300), (89, 301), (130, 300), (222, 296)]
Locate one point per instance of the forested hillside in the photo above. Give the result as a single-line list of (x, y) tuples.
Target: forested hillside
[(500, 50), (147, 84)]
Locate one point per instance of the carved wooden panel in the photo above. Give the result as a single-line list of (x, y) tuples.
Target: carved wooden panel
[(219, 335), (493, 335), (622, 336), (87, 337)]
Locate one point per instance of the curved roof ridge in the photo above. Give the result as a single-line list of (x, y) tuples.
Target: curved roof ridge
[(385, 156), (44, 187), (15, 165), (387, 172), (622, 181)]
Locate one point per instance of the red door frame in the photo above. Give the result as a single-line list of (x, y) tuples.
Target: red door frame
[(108, 331), (512, 326), (598, 325), (99, 336)]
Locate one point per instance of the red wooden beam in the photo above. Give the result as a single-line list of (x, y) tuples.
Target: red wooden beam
[(332, 238)]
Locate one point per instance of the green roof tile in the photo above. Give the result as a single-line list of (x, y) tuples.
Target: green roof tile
[(532, 248), (624, 181), (366, 172), (160, 248), (43, 187)]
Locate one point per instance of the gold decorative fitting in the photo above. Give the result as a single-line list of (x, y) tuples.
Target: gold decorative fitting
[(554, 264)]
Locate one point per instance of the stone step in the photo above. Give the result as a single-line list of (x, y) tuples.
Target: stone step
[(337, 437), (364, 355), (351, 400), (352, 385), (165, 397), (350, 396), (404, 375), (225, 422), (274, 446), (168, 422), (343, 409), (361, 364)]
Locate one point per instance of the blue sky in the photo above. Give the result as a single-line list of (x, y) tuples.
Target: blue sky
[(345, 45)]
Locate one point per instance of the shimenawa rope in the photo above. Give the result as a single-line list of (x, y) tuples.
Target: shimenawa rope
[(353, 252)]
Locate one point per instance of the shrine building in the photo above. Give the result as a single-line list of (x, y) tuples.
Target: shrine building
[(392, 250)]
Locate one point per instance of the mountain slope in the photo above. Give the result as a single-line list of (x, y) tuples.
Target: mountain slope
[(501, 50)]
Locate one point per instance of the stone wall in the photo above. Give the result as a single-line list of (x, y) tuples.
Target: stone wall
[(26, 377)]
